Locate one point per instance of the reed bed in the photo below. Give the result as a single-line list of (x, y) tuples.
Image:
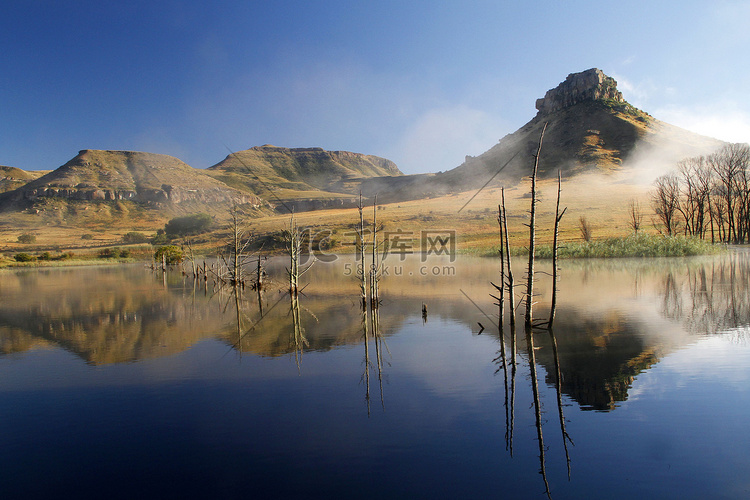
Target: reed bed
[(641, 245)]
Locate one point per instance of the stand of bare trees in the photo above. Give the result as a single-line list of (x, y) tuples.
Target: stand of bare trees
[(293, 240), (708, 196)]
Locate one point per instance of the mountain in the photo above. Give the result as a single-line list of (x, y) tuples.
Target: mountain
[(590, 127), (296, 179), (301, 176), (154, 179), (12, 178)]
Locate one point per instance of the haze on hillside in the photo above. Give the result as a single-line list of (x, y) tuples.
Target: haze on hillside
[(590, 129)]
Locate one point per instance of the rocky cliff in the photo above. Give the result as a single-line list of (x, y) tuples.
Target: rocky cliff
[(589, 85)]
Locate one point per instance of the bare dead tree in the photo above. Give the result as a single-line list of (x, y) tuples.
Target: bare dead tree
[(532, 236), (728, 165), (742, 193), (293, 239), (555, 245), (232, 269), (705, 184), (260, 274), (695, 185), (635, 215), (665, 200), (501, 288), (375, 264), (584, 226), (190, 255), (509, 283), (360, 246)]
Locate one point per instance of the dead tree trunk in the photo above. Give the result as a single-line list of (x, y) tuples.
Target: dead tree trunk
[(361, 273), (555, 243), (509, 283), (293, 246), (374, 266), (260, 274), (532, 237), (500, 289)]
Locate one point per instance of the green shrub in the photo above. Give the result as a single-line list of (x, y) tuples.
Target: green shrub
[(134, 237), (108, 253), (160, 239), (23, 257), (114, 253), (45, 256), (87, 236), (189, 224), (26, 238), (172, 254)]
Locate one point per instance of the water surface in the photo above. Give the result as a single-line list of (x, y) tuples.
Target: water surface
[(119, 382)]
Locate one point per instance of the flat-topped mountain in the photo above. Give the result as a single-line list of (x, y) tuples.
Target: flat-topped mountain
[(301, 169), (96, 175)]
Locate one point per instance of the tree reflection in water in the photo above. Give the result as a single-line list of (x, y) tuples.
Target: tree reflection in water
[(297, 340), (510, 394), (371, 329), (709, 298)]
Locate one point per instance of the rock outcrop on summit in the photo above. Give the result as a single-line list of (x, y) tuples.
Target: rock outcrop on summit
[(589, 85)]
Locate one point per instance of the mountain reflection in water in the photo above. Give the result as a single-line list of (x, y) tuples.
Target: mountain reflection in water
[(615, 319), (180, 365)]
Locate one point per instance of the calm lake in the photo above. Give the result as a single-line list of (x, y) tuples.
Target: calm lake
[(118, 382)]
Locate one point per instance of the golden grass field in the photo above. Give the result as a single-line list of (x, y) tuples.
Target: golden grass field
[(603, 200)]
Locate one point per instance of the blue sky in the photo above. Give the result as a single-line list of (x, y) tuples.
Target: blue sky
[(423, 83)]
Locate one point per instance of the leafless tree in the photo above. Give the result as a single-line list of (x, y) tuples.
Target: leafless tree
[(585, 227), (666, 201), (730, 165), (635, 215), (693, 204), (532, 237)]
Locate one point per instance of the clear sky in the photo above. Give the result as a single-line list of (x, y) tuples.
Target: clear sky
[(423, 83)]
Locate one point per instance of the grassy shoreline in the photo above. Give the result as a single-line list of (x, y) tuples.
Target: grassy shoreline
[(632, 246)]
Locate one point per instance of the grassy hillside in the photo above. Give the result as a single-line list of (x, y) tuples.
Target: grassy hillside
[(117, 189), (12, 178), (604, 202), (123, 171), (264, 168)]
